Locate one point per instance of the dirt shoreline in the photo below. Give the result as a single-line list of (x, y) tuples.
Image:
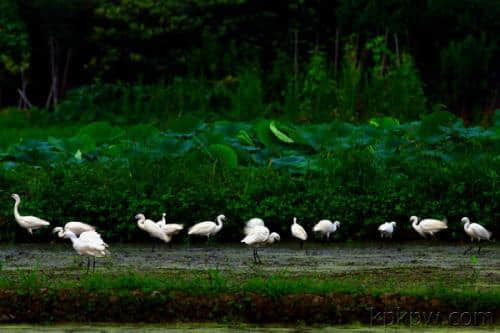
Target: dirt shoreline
[(332, 309)]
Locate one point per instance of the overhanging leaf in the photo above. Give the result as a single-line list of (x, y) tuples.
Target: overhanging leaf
[(280, 135)]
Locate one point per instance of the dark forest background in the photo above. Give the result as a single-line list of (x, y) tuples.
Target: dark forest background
[(393, 57)]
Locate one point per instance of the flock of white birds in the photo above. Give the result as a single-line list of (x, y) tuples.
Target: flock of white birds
[(86, 241)]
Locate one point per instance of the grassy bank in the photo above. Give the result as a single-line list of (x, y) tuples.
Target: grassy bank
[(222, 297)]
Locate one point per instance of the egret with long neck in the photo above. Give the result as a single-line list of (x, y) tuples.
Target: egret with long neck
[(298, 232), (257, 235), (475, 232), (89, 244), (29, 223), (152, 229), (428, 226), (207, 228)]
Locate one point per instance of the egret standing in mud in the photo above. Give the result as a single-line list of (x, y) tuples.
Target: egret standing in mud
[(257, 235), (386, 229), (29, 223), (298, 232), (152, 229), (89, 244), (75, 227), (207, 228), (476, 232), (428, 226), (326, 227)]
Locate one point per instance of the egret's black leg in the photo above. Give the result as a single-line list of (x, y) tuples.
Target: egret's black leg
[(93, 266), (479, 249), (254, 257), (153, 247), (257, 255)]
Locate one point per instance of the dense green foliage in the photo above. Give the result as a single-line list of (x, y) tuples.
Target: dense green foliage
[(272, 108), (361, 175), (313, 59)]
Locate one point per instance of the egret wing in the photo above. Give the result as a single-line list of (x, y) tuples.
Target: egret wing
[(92, 238), (34, 222), (299, 232), (171, 228), (480, 231), (78, 227), (432, 225), (258, 234), (202, 228)]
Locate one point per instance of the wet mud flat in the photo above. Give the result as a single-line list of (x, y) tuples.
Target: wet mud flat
[(315, 258), (404, 265)]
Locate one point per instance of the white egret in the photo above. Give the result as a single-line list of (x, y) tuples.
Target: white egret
[(326, 227), (386, 229), (257, 234), (476, 232), (207, 228), (29, 223), (152, 229), (89, 244), (75, 227), (169, 229), (298, 232), (428, 226)]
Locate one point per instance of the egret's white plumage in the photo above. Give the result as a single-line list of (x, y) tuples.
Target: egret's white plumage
[(475, 232), (386, 229), (75, 227), (152, 229), (252, 223), (169, 228), (428, 226), (29, 223), (298, 231), (257, 234), (326, 227), (207, 228), (89, 243)]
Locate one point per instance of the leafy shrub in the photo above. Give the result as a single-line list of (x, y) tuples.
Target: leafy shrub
[(358, 192)]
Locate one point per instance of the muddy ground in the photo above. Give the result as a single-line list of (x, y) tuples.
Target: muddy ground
[(315, 258)]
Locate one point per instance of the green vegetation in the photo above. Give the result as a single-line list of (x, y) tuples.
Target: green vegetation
[(313, 60), (429, 283), (354, 114), (360, 174), (362, 111), (215, 295)]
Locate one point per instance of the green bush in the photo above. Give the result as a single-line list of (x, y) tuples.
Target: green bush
[(358, 192)]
